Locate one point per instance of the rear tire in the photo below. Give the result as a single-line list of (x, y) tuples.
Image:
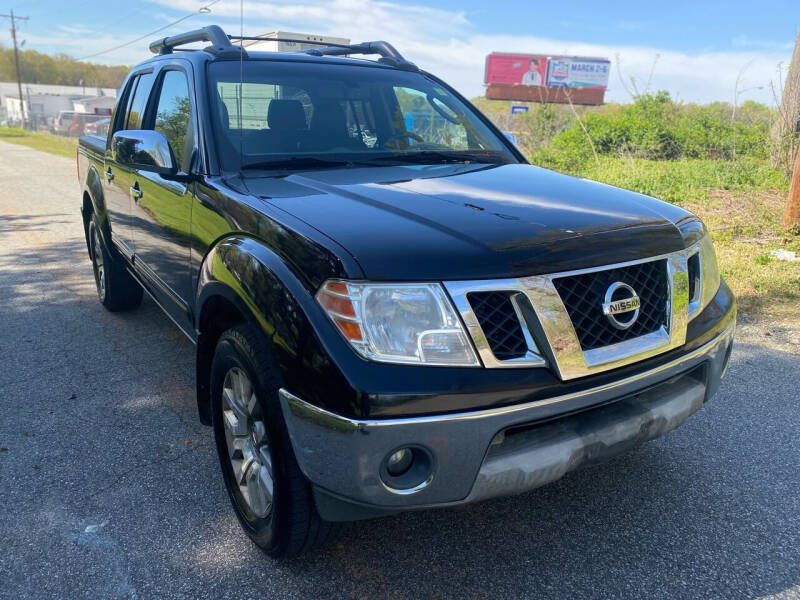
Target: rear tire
[(116, 288), (271, 497)]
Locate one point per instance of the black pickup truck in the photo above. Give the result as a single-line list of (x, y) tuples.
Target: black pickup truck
[(391, 308)]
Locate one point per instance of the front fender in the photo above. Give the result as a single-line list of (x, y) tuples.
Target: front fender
[(255, 280)]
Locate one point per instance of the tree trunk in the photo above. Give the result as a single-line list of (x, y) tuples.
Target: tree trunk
[(792, 218), (787, 124)]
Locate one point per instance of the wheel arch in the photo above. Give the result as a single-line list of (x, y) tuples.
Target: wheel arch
[(93, 202), (242, 280)]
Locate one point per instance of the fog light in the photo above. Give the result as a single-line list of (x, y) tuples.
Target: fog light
[(399, 462), (407, 470)]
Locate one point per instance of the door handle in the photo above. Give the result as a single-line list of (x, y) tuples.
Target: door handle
[(109, 175), (136, 192)]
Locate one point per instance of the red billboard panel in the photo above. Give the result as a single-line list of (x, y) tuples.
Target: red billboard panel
[(516, 69), (548, 71)]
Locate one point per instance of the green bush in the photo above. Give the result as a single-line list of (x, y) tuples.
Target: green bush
[(653, 127)]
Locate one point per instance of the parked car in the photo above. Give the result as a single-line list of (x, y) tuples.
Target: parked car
[(80, 122), (389, 318), (63, 122), (97, 128)]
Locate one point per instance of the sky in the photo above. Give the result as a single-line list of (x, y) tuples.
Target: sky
[(699, 51)]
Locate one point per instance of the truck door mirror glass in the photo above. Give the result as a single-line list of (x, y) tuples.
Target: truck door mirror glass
[(145, 150)]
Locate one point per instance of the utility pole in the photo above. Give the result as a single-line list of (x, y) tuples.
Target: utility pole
[(16, 58)]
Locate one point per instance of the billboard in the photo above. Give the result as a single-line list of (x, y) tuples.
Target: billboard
[(516, 69), (575, 72), (538, 70)]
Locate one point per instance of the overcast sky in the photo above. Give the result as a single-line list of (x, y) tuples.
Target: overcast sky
[(695, 49)]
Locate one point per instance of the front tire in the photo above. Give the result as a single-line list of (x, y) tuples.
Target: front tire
[(269, 493), (116, 288)]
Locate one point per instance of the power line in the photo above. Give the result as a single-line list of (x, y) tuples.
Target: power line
[(16, 57), (201, 10)]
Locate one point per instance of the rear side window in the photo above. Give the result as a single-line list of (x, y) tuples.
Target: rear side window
[(123, 105), (138, 106), (174, 116)]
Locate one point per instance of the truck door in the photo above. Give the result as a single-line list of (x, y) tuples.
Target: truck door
[(117, 178), (161, 211)]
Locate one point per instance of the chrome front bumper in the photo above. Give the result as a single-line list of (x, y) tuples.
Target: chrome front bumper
[(477, 456)]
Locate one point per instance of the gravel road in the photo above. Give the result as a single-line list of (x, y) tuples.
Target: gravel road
[(110, 488)]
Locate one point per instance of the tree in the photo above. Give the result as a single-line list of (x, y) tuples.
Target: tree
[(59, 69), (786, 128), (785, 133), (792, 217)]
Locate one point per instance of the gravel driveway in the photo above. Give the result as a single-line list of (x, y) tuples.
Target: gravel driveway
[(109, 485)]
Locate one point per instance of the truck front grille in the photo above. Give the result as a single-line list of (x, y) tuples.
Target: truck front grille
[(583, 297), (556, 320), (500, 324), (693, 265)]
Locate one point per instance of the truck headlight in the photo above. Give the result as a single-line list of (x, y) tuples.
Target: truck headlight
[(398, 323), (703, 275)]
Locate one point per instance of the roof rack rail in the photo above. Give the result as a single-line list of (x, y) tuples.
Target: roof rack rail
[(220, 42), (221, 46), (389, 54)]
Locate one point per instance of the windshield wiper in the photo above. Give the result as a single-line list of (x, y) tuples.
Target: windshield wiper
[(299, 162), (442, 157)]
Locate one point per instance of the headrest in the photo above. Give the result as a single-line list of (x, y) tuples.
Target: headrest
[(286, 115)]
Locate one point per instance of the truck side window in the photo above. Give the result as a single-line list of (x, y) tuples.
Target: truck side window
[(139, 103), (174, 116), (124, 106)]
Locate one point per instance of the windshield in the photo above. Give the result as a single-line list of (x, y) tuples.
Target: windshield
[(282, 114)]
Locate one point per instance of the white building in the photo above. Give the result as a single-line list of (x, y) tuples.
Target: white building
[(36, 106), (43, 102), (276, 46), (94, 104)]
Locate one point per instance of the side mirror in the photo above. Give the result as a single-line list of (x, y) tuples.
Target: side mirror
[(145, 150), (510, 137)]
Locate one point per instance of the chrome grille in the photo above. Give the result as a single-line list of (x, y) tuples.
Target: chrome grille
[(583, 298), (662, 283), (500, 323), (694, 276)]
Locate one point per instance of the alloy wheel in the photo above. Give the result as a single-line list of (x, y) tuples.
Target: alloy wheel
[(98, 264), (248, 445)]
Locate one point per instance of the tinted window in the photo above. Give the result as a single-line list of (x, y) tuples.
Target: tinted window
[(269, 110), (124, 104), (174, 116), (247, 105), (430, 119), (139, 103)]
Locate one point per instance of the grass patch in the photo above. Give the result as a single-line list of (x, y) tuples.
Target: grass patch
[(746, 226), (61, 146), (688, 180)]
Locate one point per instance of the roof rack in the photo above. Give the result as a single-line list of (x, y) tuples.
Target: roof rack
[(389, 54), (221, 46), (220, 42)]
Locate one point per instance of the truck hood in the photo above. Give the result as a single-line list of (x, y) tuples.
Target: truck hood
[(473, 221)]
